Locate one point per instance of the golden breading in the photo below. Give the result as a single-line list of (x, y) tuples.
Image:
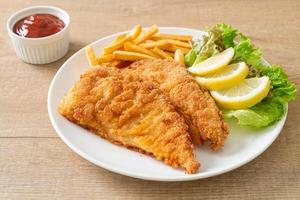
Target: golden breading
[(131, 113), (194, 103)]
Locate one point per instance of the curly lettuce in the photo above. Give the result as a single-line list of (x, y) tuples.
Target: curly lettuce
[(204, 48), (262, 114), (272, 108)]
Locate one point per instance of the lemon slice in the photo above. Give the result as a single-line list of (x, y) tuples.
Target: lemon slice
[(246, 94), (229, 76), (213, 64)]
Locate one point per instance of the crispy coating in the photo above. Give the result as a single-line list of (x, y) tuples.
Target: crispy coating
[(130, 113), (194, 103)]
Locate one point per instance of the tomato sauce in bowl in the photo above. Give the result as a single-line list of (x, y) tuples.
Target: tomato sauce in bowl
[(39, 34), (38, 25)]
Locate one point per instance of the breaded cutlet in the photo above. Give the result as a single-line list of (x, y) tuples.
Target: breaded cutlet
[(131, 113), (203, 117)]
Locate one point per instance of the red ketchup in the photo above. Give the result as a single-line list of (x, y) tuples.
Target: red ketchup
[(38, 25)]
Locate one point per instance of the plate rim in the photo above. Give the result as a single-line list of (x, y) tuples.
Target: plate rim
[(117, 170)]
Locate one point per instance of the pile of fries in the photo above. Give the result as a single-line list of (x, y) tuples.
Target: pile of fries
[(142, 44)]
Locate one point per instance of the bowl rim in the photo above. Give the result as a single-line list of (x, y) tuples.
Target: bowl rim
[(11, 19)]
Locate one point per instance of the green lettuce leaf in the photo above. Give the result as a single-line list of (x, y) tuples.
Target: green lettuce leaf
[(190, 57), (245, 51), (204, 48), (282, 88), (263, 114), (228, 34)]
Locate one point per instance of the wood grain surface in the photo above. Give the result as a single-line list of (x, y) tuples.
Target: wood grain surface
[(36, 164)]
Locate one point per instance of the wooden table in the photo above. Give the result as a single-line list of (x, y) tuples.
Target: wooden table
[(36, 164)]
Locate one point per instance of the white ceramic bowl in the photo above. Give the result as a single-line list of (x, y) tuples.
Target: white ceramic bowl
[(40, 50)]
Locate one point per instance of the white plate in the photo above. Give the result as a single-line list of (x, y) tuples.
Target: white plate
[(242, 145)]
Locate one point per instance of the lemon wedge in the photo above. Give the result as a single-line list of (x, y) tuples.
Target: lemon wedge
[(213, 64), (246, 94), (229, 76)]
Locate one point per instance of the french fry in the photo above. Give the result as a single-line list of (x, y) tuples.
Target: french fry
[(160, 36), (92, 59), (118, 38), (146, 35), (136, 32), (115, 46), (173, 48), (139, 44), (130, 56), (153, 38), (128, 46), (105, 58), (179, 56), (161, 53), (178, 43), (151, 45), (147, 41)]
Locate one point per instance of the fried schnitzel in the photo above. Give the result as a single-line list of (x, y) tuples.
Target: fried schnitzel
[(134, 114), (191, 101)]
